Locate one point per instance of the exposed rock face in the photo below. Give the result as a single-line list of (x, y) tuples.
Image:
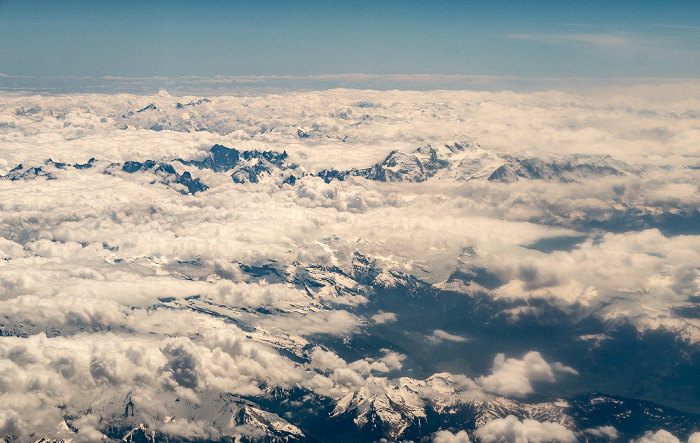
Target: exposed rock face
[(22, 173), (167, 174), (504, 174), (248, 166), (219, 159)]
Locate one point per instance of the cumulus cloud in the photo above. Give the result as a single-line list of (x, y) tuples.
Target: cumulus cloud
[(513, 377), (607, 432), (323, 360), (663, 436), (95, 369), (383, 317), (644, 273), (392, 359), (449, 437), (330, 363), (10, 423), (510, 429), (660, 436)]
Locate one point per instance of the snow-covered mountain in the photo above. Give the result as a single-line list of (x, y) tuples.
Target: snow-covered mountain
[(568, 169), (468, 161)]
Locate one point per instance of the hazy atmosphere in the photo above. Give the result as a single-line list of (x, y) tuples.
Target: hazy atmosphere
[(349, 222)]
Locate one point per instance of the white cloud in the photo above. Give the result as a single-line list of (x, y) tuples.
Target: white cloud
[(10, 423), (184, 428), (392, 360), (329, 362), (632, 274), (325, 360), (512, 430), (607, 432), (337, 322), (383, 317), (660, 436), (449, 437), (438, 336), (513, 377), (663, 436)]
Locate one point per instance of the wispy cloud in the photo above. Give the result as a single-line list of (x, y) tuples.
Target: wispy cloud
[(672, 26), (598, 40), (438, 336)]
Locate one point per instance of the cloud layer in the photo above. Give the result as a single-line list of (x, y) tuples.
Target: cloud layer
[(116, 282)]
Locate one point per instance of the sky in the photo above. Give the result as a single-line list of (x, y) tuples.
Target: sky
[(594, 39)]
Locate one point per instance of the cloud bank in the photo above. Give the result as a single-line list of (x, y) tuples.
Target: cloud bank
[(131, 285)]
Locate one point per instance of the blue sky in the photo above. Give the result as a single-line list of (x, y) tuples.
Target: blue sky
[(499, 38)]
